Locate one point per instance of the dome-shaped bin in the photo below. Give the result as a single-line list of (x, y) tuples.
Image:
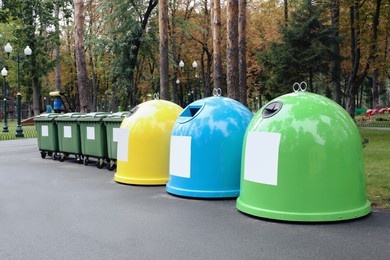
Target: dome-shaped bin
[(302, 161), (206, 147), (143, 143)]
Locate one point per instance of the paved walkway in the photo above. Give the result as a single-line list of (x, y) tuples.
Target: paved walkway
[(53, 210)]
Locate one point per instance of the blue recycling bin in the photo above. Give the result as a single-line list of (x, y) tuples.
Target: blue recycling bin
[(206, 147)]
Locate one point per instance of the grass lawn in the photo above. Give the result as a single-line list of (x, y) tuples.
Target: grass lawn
[(377, 165), (376, 158), (28, 131)]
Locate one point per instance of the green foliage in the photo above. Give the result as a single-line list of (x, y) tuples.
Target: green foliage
[(124, 37), (303, 50)]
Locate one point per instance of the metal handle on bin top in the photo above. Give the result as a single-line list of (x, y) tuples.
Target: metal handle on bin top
[(298, 87), (217, 92)]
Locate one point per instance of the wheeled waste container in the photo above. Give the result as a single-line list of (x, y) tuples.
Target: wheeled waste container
[(113, 123), (47, 134), (69, 136), (93, 137), (206, 147), (143, 143), (302, 161)]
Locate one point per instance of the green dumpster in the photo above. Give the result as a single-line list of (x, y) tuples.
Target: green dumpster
[(93, 137), (47, 134), (69, 136), (112, 123)]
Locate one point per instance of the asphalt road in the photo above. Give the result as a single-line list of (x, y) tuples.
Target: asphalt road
[(53, 210)]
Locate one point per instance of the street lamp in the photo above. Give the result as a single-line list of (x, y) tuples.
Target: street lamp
[(4, 74), (27, 52)]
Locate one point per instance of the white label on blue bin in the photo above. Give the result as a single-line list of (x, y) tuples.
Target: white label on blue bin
[(115, 134), (122, 136), (261, 157), (90, 133), (45, 130), (67, 131), (180, 156)]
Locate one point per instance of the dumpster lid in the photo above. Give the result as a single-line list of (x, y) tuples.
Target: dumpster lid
[(119, 114), (95, 115), (71, 115), (47, 115)]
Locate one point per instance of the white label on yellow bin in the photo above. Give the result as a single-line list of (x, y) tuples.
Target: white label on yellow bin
[(115, 134), (67, 131), (90, 133), (45, 130), (180, 156), (261, 157), (122, 137)]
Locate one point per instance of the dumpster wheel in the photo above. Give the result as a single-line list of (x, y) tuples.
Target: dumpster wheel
[(86, 160), (100, 163), (111, 165), (79, 159), (43, 155), (63, 156)]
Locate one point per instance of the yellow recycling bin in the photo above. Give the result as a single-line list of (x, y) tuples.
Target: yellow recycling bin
[(144, 142)]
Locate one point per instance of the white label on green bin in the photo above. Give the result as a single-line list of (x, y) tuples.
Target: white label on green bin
[(90, 133), (67, 131), (180, 156), (261, 157), (45, 130), (115, 134), (123, 144)]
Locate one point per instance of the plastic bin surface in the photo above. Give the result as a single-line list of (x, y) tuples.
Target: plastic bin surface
[(206, 147), (302, 161), (113, 123), (93, 134), (47, 132), (143, 143), (69, 133)]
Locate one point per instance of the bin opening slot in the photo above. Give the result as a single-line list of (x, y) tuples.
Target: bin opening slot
[(271, 109), (191, 111), (132, 111)]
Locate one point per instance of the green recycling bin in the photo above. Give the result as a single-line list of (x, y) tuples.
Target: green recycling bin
[(303, 161), (69, 136), (47, 134), (112, 123), (93, 137)]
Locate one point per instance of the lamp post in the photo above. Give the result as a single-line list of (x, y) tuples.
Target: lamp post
[(27, 52), (4, 74), (194, 66)]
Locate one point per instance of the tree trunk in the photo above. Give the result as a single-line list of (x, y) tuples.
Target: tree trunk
[(164, 61), (375, 87), (285, 12), (82, 74), (232, 50), (58, 66), (242, 51), (216, 24), (335, 48), (355, 79), (36, 96)]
